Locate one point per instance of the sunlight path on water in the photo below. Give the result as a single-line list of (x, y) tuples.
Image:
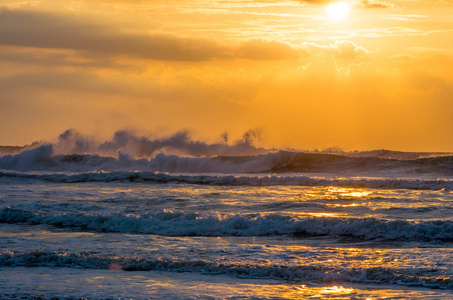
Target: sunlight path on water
[(22, 282)]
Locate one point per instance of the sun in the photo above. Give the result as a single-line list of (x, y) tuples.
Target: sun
[(338, 11)]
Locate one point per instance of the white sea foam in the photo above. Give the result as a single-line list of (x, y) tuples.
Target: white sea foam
[(169, 223), (238, 180), (292, 273), (175, 204), (44, 158)]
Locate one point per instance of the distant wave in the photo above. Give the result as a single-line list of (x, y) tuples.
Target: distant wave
[(421, 278), (234, 180), (178, 153), (181, 143), (43, 158), (195, 224)]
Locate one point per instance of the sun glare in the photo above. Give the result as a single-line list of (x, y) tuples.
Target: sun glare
[(338, 11)]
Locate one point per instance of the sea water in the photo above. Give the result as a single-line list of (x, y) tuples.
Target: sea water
[(88, 227)]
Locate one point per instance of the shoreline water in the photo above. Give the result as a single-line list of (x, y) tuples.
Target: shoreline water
[(57, 283)]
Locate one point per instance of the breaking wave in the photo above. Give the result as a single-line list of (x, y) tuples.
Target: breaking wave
[(43, 159), (238, 180), (419, 277), (180, 154), (169, 223)]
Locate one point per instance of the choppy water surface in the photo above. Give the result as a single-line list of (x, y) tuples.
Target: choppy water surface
[(224, 236), (265, 225)]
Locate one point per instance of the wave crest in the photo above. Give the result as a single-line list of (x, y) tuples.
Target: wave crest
[(194, 224), (43, 159), (180, 154), (291, 273), (242, 180)]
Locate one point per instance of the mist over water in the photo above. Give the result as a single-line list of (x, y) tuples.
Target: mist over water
[(125, 142)]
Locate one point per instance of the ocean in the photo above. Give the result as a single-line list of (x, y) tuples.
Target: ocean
[(275, 225)]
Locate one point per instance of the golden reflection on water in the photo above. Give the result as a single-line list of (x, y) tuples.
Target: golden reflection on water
[(321, 292), (170, 285), (346, 205), (328, 215), (318, 214), (340, 292), (338, 193), (347, 193)]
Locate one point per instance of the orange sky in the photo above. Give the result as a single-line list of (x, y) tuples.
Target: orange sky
[(382, 77)]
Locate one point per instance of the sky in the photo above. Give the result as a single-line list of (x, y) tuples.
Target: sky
[(302, 74)]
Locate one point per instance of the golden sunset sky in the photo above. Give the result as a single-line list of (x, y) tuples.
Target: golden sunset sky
[(379, 77)]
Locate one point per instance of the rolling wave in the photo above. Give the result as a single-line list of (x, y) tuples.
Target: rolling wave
[(234, 180), (43, 158), (169, 223), (418, 277)]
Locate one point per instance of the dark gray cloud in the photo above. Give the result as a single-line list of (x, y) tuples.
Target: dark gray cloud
[(46, 30)]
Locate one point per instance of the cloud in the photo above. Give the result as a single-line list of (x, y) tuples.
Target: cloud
[(342, 49), (347, 50), (46, 30), (267, 50), (431, 60), (378, 4), (365, 3), (55, 58)]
